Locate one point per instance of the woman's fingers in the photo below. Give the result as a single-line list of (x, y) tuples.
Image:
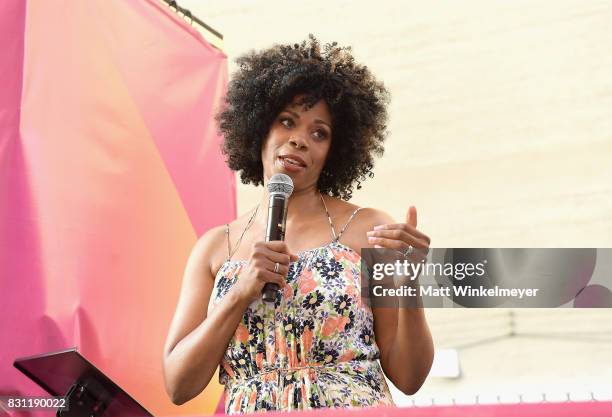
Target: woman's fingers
[(400, 240), (269, 276), (388, 243), (395, 239), (281, 258), (405, 227), (277, 251), (282, 271)]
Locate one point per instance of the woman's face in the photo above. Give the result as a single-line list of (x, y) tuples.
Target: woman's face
[(298, 143)]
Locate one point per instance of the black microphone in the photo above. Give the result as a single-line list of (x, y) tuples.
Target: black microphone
[(280, 188)]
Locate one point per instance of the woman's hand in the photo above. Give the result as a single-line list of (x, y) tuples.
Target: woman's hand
[(260, 268), (402, 236)]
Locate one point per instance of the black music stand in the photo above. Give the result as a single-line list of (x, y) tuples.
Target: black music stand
[(88, 392)]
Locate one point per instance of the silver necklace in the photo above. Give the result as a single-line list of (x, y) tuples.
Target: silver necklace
[(231, 252)]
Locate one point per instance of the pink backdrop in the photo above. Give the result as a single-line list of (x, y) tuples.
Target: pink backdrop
[(109, 171)]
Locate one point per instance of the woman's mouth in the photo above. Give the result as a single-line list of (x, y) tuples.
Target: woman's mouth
[(290, 164)]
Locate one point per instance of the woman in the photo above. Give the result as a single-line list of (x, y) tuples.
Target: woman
[(318, 117)]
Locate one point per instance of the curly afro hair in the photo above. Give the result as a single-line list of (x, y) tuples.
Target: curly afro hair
[(267, 81)]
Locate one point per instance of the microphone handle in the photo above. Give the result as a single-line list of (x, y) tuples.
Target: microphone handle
[(275, 230), (269, 292)]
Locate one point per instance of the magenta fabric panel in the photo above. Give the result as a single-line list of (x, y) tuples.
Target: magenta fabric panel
[(24, 326), (109, 171), (176, 101)]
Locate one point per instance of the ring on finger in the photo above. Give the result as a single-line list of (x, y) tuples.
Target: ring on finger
[(276, 267), (408, 251)]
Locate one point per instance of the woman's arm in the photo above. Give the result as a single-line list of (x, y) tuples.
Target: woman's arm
[(406, 346), (402, 335), (196, 342)]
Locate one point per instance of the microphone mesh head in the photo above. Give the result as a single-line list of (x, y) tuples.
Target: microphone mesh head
[(280, 183)]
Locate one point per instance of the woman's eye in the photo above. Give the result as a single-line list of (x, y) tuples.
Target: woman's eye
[(288, 122), (322, 133)]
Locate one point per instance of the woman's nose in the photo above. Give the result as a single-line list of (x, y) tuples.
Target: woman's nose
[(298, 142)]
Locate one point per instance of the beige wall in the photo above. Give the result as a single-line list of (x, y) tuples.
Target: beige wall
[(501, 135)]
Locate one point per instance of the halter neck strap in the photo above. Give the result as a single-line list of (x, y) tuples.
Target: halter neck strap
[(337, 236)]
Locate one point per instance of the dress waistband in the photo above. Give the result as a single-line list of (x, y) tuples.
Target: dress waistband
[(313, 369)]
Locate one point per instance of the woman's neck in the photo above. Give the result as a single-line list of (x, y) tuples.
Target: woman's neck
[(303, 204)]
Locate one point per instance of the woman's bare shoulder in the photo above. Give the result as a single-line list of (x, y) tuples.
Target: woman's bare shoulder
[(355, 235), (213, 243), (209, 242), (367, 216), (212, 235), (339, 207), (373, 216), (217, 234)]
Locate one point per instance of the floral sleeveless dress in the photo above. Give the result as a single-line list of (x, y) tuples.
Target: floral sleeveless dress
[(313, 347)]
